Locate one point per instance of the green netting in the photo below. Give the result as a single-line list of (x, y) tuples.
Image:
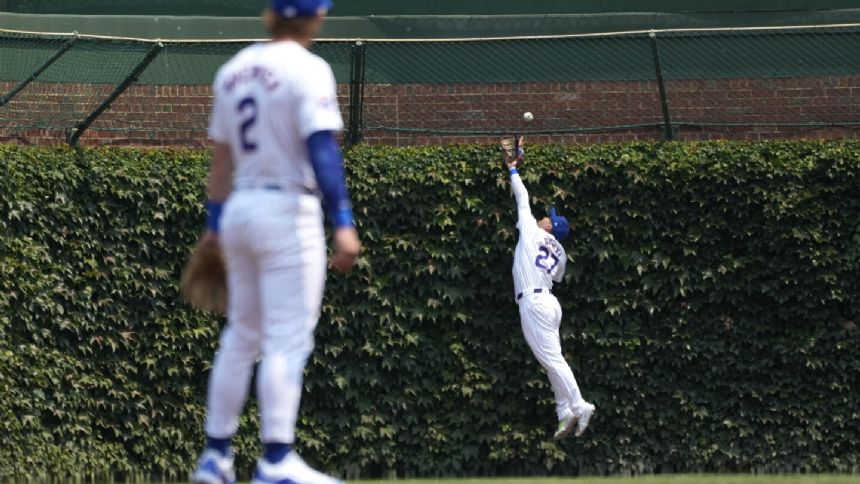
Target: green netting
[(68, 89), (760, 54), (96, 61), (192, 63), (585, 84), (90, 61), (21, 55), (196, 63), (102, 62), (530, 60), (727, 54)]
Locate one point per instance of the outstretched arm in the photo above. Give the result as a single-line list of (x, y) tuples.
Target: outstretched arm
[(524, 211)]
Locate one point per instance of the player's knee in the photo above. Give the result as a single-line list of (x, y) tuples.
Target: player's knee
[(241, 338), (289, 344), (552, 361)]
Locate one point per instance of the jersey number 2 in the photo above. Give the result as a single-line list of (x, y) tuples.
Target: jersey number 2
[(248, 110), (542, 259)]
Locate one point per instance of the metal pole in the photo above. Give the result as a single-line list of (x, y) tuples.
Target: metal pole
[(21, 85), (664, 103), (75, 133), (356, 93)]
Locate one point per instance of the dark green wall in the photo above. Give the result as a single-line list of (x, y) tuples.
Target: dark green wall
[(399, 7), (393, 19)]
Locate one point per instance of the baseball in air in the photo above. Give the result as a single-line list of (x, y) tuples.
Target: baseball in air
[(527, 116)]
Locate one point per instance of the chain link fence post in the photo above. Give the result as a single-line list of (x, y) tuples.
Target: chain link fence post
[(664, 103), (356, 93)]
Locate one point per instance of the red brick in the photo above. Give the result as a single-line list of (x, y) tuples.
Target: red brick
[(142, 110)]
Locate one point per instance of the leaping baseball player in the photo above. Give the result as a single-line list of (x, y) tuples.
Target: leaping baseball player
[(539, 260), (274, 122)]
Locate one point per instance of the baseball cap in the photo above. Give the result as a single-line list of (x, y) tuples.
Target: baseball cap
[(560, 227), (301, 8)]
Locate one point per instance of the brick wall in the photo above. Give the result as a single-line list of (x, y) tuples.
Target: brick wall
[(155, 115)]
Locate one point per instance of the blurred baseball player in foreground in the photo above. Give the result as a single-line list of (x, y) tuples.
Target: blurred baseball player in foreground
[(539, 259), (274, 120)]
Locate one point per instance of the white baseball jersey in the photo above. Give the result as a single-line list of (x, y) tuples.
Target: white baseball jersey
[(269, 99), (539, 258)]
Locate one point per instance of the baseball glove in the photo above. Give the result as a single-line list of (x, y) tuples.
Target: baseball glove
[(204, 279), (514, 149)]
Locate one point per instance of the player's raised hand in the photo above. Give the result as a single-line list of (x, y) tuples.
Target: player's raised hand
[(509, 153), (346, 248)]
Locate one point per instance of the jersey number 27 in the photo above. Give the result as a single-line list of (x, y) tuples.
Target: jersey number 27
[(546, 260)]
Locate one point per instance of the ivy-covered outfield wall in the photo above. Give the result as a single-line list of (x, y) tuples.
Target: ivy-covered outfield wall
[(710, 309)]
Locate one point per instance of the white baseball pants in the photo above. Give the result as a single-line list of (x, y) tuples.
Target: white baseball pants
[(274, 246), (540, 315)]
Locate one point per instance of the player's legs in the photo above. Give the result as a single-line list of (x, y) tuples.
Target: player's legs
[(292, 266), (293, 269), (540, 316), (239, 347)]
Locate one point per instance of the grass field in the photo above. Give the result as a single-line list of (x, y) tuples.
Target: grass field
[(669, 479), (660, 479), (653, 479)]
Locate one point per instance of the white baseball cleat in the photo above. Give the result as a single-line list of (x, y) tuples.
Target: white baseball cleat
[(291, 469), (584, 417), (214, 468), (565, 425)]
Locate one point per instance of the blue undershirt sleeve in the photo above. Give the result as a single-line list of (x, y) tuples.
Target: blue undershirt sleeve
[(327, 163)]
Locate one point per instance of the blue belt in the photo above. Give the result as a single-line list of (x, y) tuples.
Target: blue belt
[(277, 187), (537, 290)]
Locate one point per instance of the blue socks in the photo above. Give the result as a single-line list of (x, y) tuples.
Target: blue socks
[(221, 445), (274, 452)]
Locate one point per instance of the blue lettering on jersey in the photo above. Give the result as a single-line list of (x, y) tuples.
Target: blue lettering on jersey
[(549, 255), (258, 74)]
